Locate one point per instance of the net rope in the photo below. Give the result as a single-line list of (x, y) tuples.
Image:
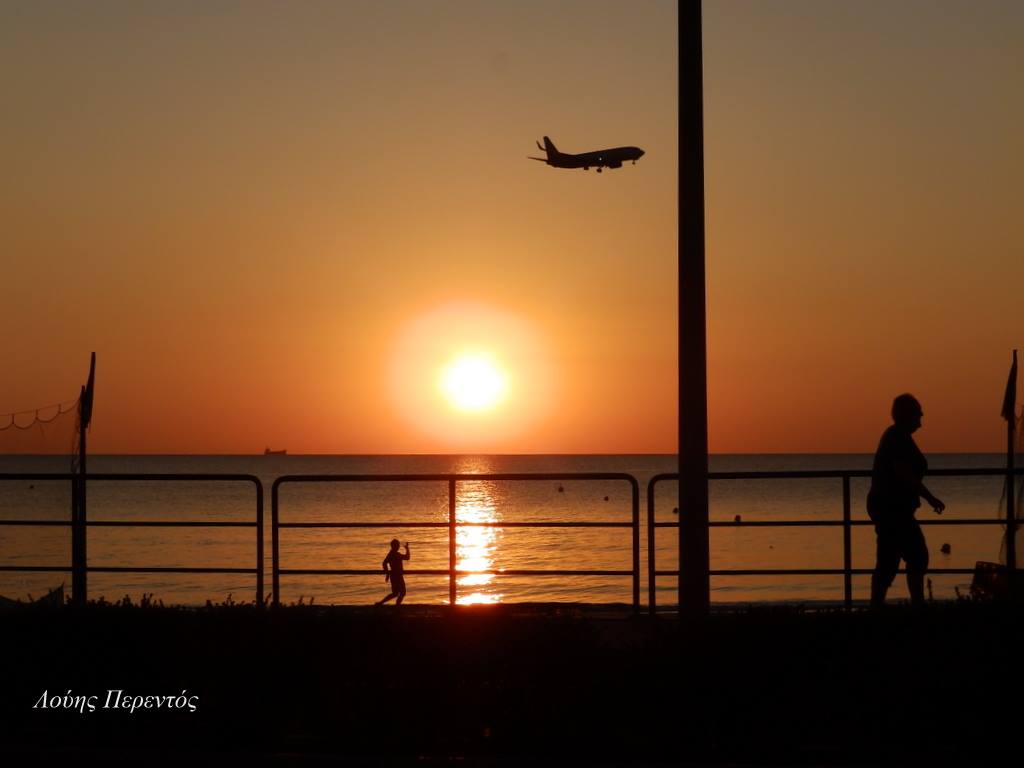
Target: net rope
[(47, 430), (10, 420), (42, 440)]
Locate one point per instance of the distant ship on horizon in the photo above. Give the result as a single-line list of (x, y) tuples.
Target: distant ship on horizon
[(268, 452)]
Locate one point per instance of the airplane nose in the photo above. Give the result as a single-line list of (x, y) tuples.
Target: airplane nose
[(640, 153)]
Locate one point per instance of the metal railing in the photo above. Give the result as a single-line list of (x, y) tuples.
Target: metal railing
[(846, 522), (452, 524), (257, 524)]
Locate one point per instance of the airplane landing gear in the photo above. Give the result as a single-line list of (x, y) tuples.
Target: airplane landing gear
[(598, 170)]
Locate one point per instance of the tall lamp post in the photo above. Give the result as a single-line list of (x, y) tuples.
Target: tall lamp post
[(694, 559)]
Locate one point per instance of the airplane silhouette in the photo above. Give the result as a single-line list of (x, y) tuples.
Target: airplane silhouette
[(603, 158)]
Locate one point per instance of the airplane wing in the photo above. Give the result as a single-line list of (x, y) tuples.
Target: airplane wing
[(542, 159)]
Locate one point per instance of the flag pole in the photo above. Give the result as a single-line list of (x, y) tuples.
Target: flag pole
[(79, 559)]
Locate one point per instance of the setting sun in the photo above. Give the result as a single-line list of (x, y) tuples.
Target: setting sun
[(473, 382), (470, 375)]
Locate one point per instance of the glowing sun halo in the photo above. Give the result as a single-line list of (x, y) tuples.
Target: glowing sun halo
[(470, 378), (473, 382)]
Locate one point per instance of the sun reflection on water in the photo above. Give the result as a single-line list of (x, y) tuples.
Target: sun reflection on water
[(476, 502)]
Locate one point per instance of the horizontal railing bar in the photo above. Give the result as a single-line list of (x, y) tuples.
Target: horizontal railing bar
[(713, 524), (950, 521), (126, 569), (459, 524), (166, 476), (811, 572), (445, 572), (35, 568), (765, 475), (146, 477), (771, 524), (456, 477), (362, 525), (832, 523), (583, 524), (140, 523), (37, 476), (840, 473), (809, 474), (168, 524), (977, 472)]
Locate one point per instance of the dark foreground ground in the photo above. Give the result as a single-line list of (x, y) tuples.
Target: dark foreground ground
[(510, 685)]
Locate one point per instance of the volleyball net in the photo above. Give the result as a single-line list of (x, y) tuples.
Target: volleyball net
[(46, 440)]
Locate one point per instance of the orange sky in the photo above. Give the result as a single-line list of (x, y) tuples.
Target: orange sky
[(268, 220)]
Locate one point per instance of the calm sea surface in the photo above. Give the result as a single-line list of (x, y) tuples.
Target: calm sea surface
[(477, 547)]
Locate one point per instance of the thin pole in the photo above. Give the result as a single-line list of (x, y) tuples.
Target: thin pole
[(694, 559), (451, 542)]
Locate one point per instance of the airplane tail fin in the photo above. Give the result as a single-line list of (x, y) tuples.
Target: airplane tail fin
[(550, 150)]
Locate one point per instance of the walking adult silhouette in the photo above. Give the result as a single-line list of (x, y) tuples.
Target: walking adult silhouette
[(897, 488)]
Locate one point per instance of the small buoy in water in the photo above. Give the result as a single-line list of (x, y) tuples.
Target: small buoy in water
[(736, 519), (561, 489), (675, 510), (945, 549)]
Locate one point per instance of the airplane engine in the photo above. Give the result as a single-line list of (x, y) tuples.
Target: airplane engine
[(615, 164)]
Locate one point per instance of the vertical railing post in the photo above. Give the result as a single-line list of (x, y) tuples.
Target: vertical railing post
[(1013, 588), (79, 558), (259, 543), (275, 551), (636, 544), (76, 587), (451, 541), (651, 598), (847, 546)]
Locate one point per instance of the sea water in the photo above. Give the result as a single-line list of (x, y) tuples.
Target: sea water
[(477, 548)]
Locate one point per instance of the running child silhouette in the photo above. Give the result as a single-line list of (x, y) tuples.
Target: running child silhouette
[(394, 572)]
